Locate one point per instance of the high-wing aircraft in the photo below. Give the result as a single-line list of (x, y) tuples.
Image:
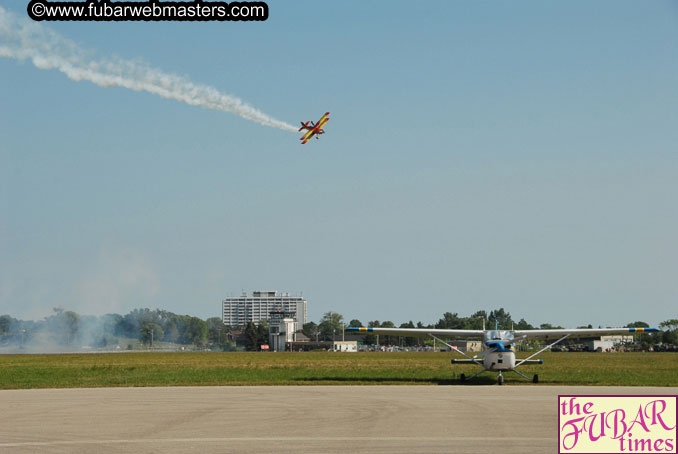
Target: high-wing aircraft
[(500, 353), (315, 129)]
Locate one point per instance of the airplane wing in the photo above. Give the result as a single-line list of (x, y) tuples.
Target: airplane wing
[(308, 135), (477, 333), (580, 332), (322, 118), (418, 332)]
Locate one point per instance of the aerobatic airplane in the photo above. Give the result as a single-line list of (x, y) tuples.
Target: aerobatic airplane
[(315, 129), (500, 353)]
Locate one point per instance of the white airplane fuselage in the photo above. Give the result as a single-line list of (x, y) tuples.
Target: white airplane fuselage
[(502, 355), (497, 361)]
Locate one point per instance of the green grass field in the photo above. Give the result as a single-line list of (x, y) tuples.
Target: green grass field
[(210, 369)]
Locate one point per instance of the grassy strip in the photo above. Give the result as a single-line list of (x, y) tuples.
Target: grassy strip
[(208, 369)]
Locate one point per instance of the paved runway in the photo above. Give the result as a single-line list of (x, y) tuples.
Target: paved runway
[(328, 419)]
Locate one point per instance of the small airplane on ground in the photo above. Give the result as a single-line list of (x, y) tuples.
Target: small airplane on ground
[(315, 129), (500, 355)]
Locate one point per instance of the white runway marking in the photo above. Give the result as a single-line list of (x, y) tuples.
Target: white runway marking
[(268, 439)]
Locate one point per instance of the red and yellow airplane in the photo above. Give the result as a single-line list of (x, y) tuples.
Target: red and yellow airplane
[(315, 129)]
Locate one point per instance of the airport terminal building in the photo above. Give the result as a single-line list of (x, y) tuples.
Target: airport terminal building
[(240, 310)]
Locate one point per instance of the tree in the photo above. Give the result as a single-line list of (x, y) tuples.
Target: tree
[(215, 328), (522, 324), (355, 323), (262, 331), (549, 326), (670, 337), (63, 325), (111, 323), (6, 323), (173, 329), (131, 323), (670, 334), (671, 325), (451, 321), (251, 337), (481, 314), (500, 318), (150, 332), (195, 331), (256, 335), (478, 320), (310, 330), (72, 324), (330, 325), (637, 325)]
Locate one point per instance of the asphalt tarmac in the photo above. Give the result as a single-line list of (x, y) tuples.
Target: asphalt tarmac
[(286, 419)]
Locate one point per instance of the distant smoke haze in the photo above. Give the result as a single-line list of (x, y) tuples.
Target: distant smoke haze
[(118, 279), (23, 39)]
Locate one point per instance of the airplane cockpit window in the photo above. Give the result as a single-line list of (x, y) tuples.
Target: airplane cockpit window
[(498, 335)]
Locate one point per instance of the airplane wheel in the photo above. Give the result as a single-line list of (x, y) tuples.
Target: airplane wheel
[(500, 380), (462, 377), (535, 379)]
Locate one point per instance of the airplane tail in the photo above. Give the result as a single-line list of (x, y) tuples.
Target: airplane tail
[(304, 125)]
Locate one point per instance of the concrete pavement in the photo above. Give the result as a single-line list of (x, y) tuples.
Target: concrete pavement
[(285, 419)]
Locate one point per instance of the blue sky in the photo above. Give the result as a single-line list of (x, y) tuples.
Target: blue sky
[(479, 155)]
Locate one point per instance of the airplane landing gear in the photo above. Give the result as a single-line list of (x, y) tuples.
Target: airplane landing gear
[(535, 379), (462, 378), (500, 379)]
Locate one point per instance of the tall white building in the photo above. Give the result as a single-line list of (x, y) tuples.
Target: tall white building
[(240, 310)]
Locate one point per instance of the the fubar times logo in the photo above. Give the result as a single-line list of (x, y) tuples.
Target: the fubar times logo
[(589, 424)]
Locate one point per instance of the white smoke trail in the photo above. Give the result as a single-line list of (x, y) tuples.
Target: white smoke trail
[(24, 39)]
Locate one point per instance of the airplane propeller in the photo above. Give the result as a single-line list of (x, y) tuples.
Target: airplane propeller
[(486, 352), (494, 346)]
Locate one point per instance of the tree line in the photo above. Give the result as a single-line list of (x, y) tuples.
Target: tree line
[(69, 329)]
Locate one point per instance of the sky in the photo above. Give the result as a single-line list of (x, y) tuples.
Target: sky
[(478, 155)]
